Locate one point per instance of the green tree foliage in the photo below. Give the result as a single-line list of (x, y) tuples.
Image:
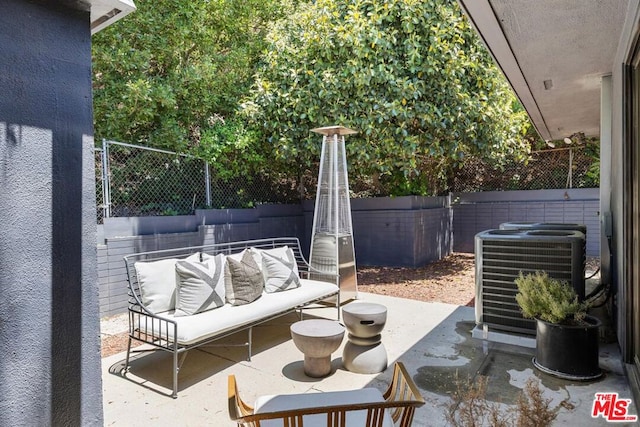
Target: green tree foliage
[(171, 73), (409, 75)]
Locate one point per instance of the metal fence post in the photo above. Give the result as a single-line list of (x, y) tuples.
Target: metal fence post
[(570, 176), (207, 184), (106, 194)]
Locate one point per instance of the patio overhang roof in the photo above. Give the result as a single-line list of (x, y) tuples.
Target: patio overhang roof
[(103, 12), (554, 54), (106, 12)]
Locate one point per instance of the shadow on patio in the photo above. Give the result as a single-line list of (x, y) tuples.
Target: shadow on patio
[(433, 340)]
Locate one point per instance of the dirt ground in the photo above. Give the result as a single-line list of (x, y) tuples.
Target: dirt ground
[(450, 280)]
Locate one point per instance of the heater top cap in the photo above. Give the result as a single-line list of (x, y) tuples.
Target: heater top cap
[(334, 130)]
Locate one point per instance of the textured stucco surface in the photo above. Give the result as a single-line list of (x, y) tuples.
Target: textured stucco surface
[(49, 323)]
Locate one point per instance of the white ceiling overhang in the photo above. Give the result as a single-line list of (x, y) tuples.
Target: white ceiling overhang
[(554, 54), (102, 12), (106, 12)]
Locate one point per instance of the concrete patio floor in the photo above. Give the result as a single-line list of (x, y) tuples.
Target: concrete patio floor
[(433, 340)]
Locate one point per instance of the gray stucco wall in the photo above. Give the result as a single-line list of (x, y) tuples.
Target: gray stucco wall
[(49, 318), (476, 212)]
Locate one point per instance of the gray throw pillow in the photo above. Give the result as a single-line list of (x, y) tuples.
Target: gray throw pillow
[(279, 273), (245, 282), (200, 285)]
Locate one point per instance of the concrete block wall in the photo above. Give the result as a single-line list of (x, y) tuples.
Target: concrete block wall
[(395, 232), (473, 213), (408, 238), (123, 236), (112, 274), (433, 237)]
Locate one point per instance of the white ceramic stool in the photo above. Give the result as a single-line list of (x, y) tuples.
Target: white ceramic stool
[(317, 339), (364, 352)]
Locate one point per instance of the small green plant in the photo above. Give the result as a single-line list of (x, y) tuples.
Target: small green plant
[(548, 299)]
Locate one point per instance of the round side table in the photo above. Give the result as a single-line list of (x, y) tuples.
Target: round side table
[(364, 352), (317, 339)]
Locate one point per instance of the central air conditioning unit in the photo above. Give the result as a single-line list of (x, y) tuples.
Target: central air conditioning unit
[(500, 257), (547, 226), (543, 226)]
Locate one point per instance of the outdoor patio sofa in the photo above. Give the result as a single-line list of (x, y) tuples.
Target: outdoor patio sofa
[(183, 298), (366, 407)]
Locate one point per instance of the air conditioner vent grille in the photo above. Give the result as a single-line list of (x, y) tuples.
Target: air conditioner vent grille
[(500, 258)]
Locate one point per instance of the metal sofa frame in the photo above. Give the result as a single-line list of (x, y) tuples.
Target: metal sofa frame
[(160, 332)]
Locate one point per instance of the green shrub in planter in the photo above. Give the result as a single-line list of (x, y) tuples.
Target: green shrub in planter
[(566, 337), (549, 299)]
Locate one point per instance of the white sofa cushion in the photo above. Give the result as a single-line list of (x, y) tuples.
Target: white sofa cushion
[(200, 285), (208, 324), (287, 402)]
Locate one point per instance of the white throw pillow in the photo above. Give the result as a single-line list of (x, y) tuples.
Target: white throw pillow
[(280, 274), (281, 252), (200, 285), (157, 283)]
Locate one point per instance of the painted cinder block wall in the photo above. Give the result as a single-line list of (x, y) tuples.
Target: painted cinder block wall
[(121, 236), (402, 231), (49, 314), (396, 232), (476, 212)]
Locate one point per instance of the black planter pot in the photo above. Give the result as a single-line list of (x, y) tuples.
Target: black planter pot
[(567, 351)]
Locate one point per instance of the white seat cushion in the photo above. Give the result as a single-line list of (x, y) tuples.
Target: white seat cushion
[(285, 402), (197, 327)]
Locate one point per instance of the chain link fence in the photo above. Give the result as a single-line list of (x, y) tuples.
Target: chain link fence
[(574, 167), (133, 180), (99, 185)]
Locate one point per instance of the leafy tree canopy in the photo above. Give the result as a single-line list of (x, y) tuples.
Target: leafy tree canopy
[(409, 75), (174, 70)]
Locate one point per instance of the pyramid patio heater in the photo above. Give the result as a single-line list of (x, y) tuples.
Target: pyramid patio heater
[(332, 234)]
